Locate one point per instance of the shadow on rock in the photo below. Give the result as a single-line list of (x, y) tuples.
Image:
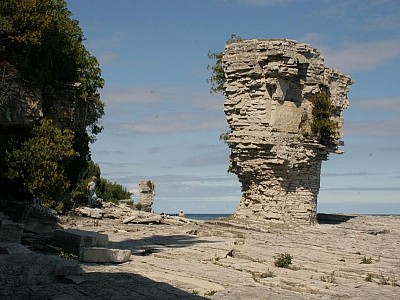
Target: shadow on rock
[(28, 275), (334, 219), (157, 243)]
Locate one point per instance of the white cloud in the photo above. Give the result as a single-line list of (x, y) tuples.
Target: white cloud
[(152, 94), (173, 122), (107, 57), (136, 95), (312, 38), (351, 174), (373, 128), (353, 10), (161, 110), (364, 188), (105, 48), (353, 56), (350, 56), (389, 105), (379, 117), (209, 158), (175, 187)]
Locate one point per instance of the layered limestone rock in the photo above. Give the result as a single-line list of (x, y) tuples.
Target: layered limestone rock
[(268, 87), (146, 194), (22, 103)]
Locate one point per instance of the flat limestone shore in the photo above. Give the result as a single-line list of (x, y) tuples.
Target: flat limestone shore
[(343, 257)]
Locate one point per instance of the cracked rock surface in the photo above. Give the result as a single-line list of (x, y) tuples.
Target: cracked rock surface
[(353, 257)]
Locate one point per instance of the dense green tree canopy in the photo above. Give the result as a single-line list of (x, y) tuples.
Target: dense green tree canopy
[(42, 41), (38, 164), (111, 191), (45, 45)]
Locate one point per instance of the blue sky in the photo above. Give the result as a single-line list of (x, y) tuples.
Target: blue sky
[(162, 124)]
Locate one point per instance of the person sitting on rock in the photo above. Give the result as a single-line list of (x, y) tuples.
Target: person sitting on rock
[(181, 214), (92, 197)]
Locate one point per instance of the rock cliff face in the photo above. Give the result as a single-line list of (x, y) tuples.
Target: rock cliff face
[(22, 104), (268, 87)]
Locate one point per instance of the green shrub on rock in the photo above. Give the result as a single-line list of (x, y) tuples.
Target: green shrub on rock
[(322, 125), (283, 260), (39, 163)]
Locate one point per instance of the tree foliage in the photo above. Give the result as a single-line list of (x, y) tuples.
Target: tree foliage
[(41, 39), (217, 81), (105, 189), (23, 22), (217, 78), (322, 125), (112, 191), (39, 162), (44, 44)]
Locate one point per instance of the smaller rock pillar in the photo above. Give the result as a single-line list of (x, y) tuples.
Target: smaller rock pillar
[(146, 194)]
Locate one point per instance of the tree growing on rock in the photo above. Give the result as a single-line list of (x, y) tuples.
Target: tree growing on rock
[(322, 125), (38, 164), (41, 41), (217, 78)]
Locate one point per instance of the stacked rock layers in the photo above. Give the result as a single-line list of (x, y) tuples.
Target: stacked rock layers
[(268, 87)]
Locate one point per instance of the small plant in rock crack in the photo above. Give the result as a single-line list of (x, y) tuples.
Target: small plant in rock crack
[(383, 280), (368, 278), (67, 255), (329, 279), (366, 261), (257, 276), (283, 260), (267, 274), (387, 280), (210, 293)]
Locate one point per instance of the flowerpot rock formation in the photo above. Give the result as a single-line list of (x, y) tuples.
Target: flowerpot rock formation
[(268, 87), (146, 195)]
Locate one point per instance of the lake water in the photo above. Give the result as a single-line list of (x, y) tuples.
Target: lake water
[(203, 217)]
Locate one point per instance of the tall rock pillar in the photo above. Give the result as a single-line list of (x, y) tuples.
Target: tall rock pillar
[(268, 87)]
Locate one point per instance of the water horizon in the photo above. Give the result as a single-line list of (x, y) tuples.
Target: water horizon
[(205, 217)]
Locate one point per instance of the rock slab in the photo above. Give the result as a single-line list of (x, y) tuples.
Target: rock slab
[(73, 240), (69, 267), (10, 231), (104, 255)]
